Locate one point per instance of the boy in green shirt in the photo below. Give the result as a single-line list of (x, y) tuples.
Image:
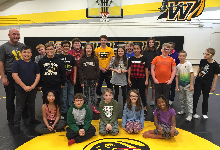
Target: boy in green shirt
[(79, 119)]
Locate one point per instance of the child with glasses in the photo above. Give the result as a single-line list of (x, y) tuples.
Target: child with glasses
[(133, 113), (79, 119), (207, 71)]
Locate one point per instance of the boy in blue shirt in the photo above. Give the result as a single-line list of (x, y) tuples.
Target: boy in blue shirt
[(26, 75)]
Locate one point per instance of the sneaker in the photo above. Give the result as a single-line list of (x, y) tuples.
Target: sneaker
[(181, 113), (62, 117), (205, 117), (95, 110), (196, 116), (35, 121), (152, 103), (189, 118), (170, 102)]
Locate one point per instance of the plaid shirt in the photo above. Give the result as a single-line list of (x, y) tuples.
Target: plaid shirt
[(77, 55), (138, 66)]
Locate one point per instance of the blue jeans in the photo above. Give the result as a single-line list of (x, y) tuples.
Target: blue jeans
[(67, 96)]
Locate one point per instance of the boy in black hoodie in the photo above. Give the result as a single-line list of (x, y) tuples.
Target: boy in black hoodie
[(52, 72)]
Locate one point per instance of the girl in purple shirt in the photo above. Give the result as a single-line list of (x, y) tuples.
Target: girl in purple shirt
[(164, 120)]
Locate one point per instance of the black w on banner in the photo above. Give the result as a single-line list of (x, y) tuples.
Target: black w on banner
[(113, 42)]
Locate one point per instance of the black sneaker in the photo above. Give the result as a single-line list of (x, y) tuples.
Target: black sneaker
[(35, 121), (16, 130)]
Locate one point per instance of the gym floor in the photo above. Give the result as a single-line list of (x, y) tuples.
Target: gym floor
[(207, 129)]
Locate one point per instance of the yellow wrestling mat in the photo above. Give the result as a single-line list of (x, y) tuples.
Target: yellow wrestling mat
[(58, 141)]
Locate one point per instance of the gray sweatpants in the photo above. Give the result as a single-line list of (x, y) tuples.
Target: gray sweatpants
[(103, 131), (185, 93)]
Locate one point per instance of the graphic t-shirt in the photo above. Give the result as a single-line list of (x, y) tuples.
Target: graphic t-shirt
[(183, 71), (9, 54), (163, 68), (164, 117), (207, 71), (68, 61), (104, 56)]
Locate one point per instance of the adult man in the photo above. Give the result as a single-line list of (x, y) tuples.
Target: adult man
[(10, 52)]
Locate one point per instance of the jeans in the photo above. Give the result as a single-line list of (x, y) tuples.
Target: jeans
[(67, 96)]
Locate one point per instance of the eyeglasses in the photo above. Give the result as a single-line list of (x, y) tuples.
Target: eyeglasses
[(77, 101), (133, 96), (207, 54)]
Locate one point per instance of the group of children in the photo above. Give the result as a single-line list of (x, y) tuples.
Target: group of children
[(58, 74)]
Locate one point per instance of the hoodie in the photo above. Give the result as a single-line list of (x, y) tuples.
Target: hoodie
[(79, 116), (52, 72)]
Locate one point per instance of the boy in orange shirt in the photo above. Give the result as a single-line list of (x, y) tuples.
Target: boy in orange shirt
[(163, 70)]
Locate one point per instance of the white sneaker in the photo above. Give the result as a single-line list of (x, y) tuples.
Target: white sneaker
[(181, 113), (61, 117), (205, 117), (152, 103), (189, 118), (170, 102), (196, 116)]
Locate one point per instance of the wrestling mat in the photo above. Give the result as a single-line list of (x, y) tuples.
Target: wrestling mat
[(58, 141)]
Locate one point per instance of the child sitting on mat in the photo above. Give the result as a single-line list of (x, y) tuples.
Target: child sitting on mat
[(133, 113), (164, 120)]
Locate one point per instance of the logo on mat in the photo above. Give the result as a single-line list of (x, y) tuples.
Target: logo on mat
[(181, 10), (116, 143)]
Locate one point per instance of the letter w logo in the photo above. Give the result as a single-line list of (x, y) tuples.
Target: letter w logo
[(180, 11)]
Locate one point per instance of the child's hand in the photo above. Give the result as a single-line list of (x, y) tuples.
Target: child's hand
[(108, 127), (146, 82), (119, 71), (27, 88), (96, 84), (213, 89), (81, 132), (172, 131), (53, 126), (177, 89), (168, 82), (123, 70), (103, 70), (160, 129), (39, 88), (74, 81), (191, 88), (156, 81), (62, 86), (82, 85), (50, 128), (145, 134), (129, 82)]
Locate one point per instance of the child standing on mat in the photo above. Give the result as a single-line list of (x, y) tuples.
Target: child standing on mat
[(89, 73), (133, 113), (26, 75), (150, 53), (51, 116), (138, 73), (163, 70), (104, 54), (208, 69), (184, 80), (108, 114), (119, 65), (79, 119), (164, 120), (67, 94)]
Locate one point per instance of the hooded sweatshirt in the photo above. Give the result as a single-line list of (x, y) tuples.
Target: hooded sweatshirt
[(79, 117), (52, 72)]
